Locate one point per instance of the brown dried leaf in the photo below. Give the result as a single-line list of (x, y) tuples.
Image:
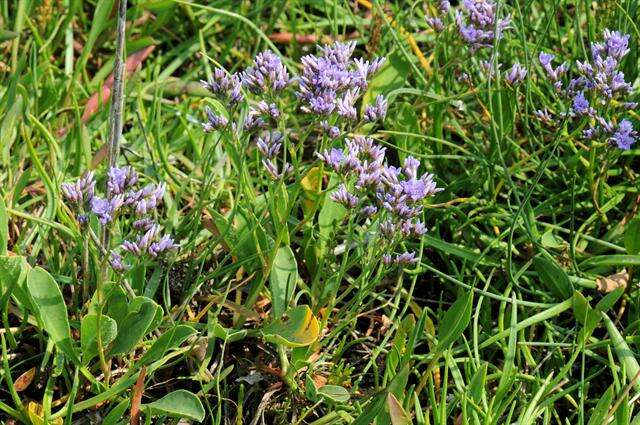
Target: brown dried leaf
[(24, 380), (612, 282)]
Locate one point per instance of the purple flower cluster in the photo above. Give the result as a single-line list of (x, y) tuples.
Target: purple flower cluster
[(389, 195), (599, 90), (479, 27), (268, 74), (435, 22), (122, 197), (516, 74), (269, 145), (333, 81), (225, 87)]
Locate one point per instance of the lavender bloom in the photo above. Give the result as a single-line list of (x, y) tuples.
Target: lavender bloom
[(224, 86), (267, 74), (553, 73), (143, 224), (406, 258), (377, 111), (272, 169), (332, 81), (254, 121), (269, 145), (581, 105), (163, 245), (387, 259), (345, 104), (105, 209), (435, 23), (516, 75), (332, 131), (268, 109), (625, 136), (215, 121), (368, 210), (444, 6), (480, 29), (80, 191), (543, 115), (334, 158), (116, 262), (342, 196), (120, 179)]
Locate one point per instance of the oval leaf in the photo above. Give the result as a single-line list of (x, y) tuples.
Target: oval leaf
[(178, 404), (134, 326), (299, 329), (51, 310), (455, 321), (89, 334), (553, 277), (282, 279), (396, 411), (334, 393), (168, 340)]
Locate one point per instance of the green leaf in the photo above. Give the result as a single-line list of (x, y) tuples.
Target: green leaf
[(134, 327), (168, 340), (406, 121), (611, 260), (599, 413), (282, 280), (610, 299), (89, 334), (298, 329), (624, 353), (391, 76), (455, 321), (12, 273), (334, 393), (116, 414), (178, 404), (553, 276), (6, 35), (632, 237), (4, 228), (51, 310)]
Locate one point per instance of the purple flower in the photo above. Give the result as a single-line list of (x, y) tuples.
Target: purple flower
[(163, 245), (224, 86), (554, 74), (406, 258), (120, 179), (269, 144), (516, 75), (105, 209), (333, 158), (369, 210), (215, 121), (435, 23), (346, 104), (543, 115), (116, 262), (410, 167), (332, 131), (80, 191), (479, 29), (377, 111), (625, 136), (581, 105), (268, 73), (343, 197), (444, 6), (143, 224)]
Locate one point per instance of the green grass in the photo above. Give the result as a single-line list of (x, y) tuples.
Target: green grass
[(502, 321)]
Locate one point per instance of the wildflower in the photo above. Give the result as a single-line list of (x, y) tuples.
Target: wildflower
[(553, 73), (120, 179), (444, 6), (342, 196), (625, 136), (166, 243), (105, 209), (116, 262), (377, 111), (345, 104), (406, 258), (215, 121), (269, 145), (516, 75), (80, 191), (543, 115), (435, 23), (225, 87), (581, 105), (268, 73), (331, 130), (479, 30)]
